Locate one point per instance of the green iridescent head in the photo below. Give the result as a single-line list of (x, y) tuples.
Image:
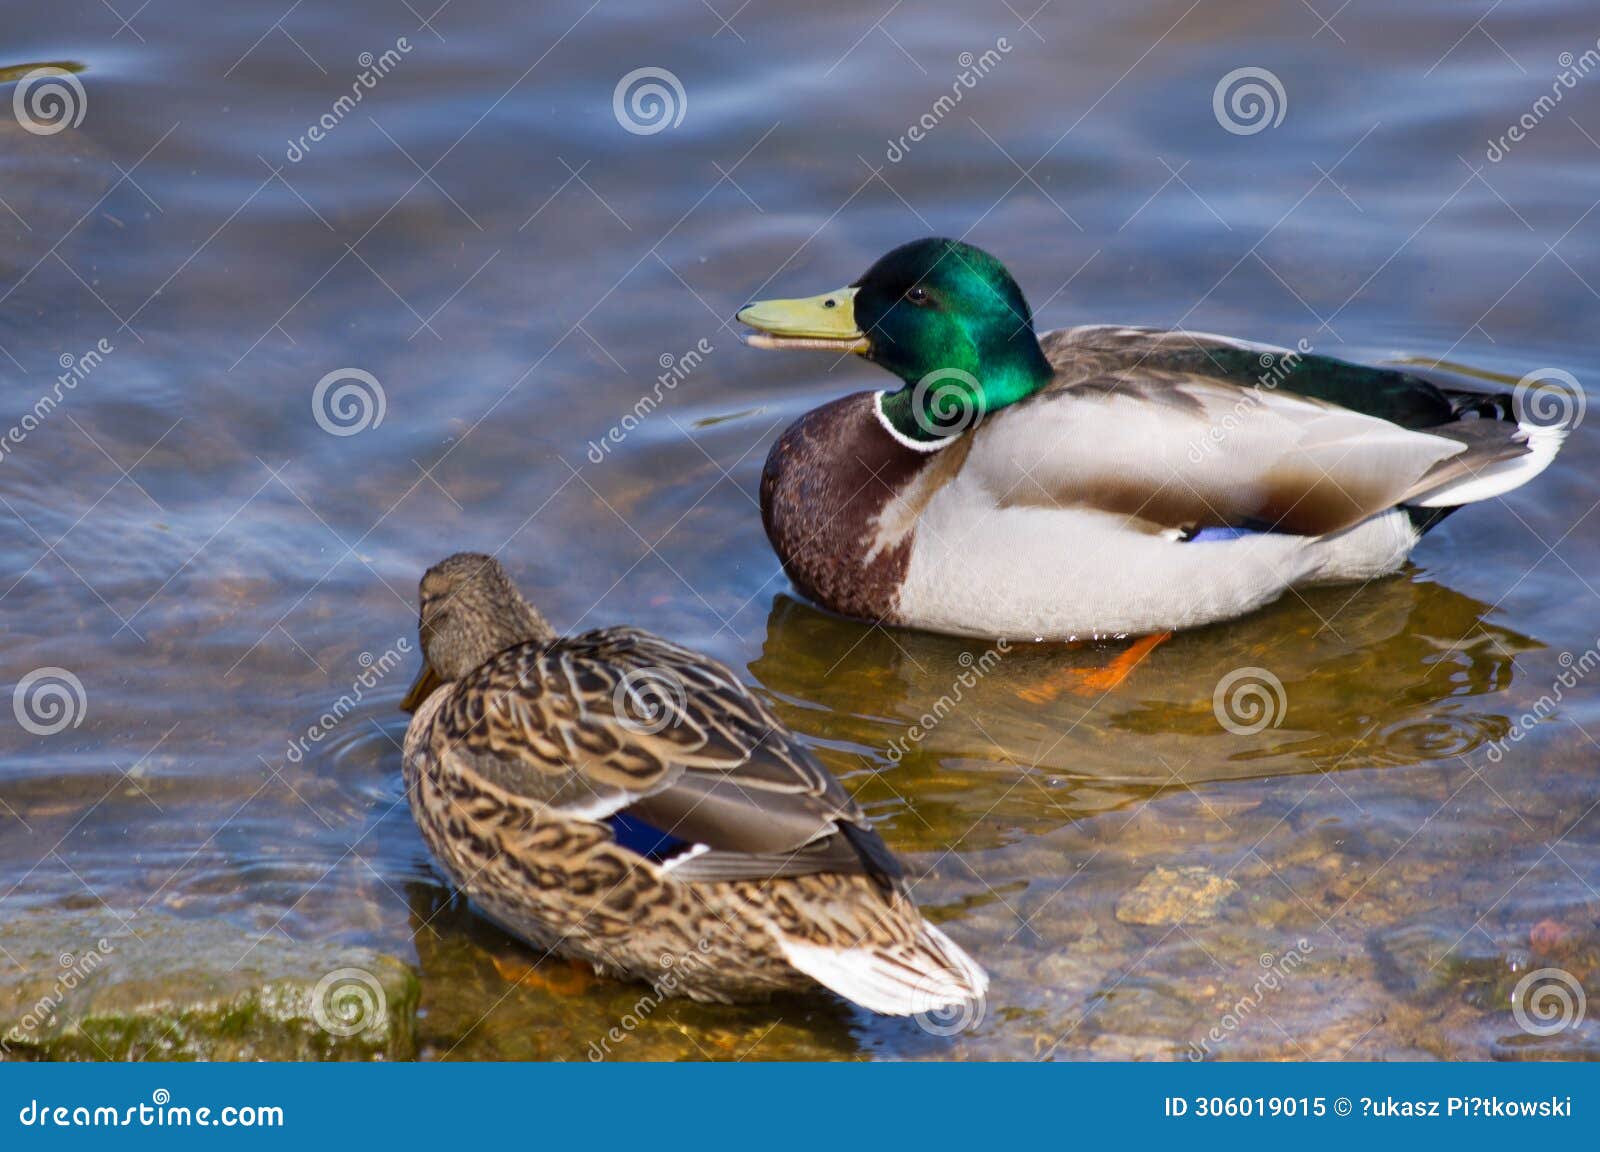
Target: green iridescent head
[(945, 317)]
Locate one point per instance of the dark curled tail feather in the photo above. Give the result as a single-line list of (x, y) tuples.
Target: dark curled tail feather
[(1466, 404), (1423, 519)]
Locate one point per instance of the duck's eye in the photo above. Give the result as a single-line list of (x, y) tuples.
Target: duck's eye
[(918, 295)]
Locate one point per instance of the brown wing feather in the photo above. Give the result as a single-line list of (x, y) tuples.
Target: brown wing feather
[(619, 720), (1175, 450)]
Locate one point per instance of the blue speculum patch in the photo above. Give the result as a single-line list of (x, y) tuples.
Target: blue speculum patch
[(643, 839), (1209, 534)]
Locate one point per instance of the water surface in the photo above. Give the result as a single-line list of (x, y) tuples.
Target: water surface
[(484, 237)]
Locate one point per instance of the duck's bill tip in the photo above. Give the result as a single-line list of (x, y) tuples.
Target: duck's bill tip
[(421, 688), (825, 322)]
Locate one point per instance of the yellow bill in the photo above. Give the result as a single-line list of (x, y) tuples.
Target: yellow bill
[(827, 321)]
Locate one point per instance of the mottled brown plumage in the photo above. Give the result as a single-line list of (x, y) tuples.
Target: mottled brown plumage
[(538, 757)]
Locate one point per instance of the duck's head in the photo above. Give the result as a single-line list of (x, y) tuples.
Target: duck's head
[(470, 609), (945, 317)]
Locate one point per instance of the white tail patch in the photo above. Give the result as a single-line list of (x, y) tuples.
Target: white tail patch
[(973, 979), (933, 975), (1502, 476)]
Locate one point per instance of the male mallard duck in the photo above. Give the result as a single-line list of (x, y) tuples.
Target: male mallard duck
[(1100, 481), (619, 799)]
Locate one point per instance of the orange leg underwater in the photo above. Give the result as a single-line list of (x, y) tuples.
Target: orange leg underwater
[(1093, 681), (560, 976)]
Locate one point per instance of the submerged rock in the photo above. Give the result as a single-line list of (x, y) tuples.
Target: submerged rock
[(87, 986), (1425, 963), (1169, 895), (1418, 962), (1577, 1044), (1145, 1006)]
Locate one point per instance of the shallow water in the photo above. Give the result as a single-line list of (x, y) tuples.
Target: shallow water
[(515, 269)]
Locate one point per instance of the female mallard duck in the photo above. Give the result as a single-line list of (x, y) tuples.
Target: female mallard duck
[(1100, 480), (619, 799)]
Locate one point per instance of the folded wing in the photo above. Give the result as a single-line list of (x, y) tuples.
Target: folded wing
[(619, 722)]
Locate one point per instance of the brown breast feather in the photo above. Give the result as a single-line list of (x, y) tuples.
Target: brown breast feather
[(827, 483)]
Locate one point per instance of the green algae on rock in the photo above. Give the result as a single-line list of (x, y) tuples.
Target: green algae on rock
[(87, 986)]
